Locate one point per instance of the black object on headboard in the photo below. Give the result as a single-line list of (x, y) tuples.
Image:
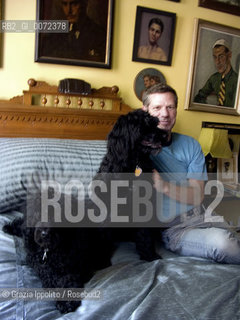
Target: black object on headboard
[(74, 86)]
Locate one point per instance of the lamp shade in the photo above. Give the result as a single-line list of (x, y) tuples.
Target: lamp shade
[(215, 142)]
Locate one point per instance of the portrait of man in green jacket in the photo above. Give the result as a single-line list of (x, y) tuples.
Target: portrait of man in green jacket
[(223, 83)]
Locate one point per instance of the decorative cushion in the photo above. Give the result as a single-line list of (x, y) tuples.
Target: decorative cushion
[(50, 158)]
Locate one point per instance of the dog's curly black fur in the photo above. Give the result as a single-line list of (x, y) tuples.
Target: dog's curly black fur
[(134, 138), (61, 257), (68, 257)]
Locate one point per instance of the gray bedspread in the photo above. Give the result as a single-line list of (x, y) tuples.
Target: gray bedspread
[(174, 287)]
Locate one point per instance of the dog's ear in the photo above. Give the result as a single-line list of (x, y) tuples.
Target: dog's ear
[(120, 137)]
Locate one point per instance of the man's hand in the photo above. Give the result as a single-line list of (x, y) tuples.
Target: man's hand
[(192, 194)]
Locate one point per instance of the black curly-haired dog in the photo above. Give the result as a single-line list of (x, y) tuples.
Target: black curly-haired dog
[(68, 257)]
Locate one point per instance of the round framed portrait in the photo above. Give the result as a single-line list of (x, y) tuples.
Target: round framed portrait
[(145, 79)]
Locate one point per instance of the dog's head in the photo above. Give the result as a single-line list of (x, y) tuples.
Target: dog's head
[(151, 137), (134, 136), (137, 129), (37, 232), (46, 236)]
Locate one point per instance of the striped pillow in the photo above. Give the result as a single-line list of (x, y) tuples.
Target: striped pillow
[(56, 159)]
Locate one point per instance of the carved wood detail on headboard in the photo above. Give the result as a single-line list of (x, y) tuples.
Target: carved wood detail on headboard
[(20, 118)]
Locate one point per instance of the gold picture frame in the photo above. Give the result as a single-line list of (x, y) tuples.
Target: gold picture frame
[(202, 66)]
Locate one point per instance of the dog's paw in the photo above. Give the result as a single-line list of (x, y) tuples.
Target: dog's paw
[(150, 257), (67, 306)]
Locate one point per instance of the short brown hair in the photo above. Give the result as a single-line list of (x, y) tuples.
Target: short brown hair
[(158, 88)]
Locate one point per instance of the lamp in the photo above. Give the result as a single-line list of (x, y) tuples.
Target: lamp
[(215, 142)]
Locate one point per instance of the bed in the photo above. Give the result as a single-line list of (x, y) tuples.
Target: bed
[(62, 140)]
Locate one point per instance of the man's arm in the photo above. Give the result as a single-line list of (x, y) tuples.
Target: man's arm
[(192, 194), (203, 93)]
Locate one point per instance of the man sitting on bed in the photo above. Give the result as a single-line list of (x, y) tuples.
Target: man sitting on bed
[(180, 179)]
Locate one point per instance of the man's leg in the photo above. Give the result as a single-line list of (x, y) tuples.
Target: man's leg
[(220, 244)]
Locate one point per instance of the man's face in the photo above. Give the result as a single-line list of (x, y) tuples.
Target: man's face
[(147, 82), (162, 106), (222, 59), (154, 33), (71, 9), (153, 81)]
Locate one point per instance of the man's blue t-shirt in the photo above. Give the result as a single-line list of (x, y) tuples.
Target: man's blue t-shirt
[(183, 159)]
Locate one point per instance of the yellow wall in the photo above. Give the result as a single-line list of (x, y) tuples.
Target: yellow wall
[(18, 56)]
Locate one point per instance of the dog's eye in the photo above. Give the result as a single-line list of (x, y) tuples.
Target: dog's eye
[(43, 233)]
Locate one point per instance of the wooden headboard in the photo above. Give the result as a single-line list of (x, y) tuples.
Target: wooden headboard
[(42, 111)]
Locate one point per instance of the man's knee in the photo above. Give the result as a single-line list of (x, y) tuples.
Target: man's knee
[(213, 243), (225, 246)]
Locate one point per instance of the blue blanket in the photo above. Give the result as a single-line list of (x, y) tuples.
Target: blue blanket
[(174, 287)]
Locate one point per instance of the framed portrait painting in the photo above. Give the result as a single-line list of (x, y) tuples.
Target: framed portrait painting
[(154, 36), (232, 7), (87, 40), (213, 82), (227, 169), (145, 79)]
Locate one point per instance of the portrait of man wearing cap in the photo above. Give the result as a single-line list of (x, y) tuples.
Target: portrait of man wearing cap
[(223, 83)]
